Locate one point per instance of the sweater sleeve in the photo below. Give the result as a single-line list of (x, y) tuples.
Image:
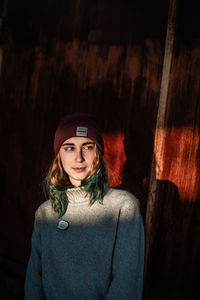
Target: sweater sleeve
[(33, 281), (128, 256)]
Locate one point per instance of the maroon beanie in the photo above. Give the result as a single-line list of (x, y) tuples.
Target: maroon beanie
[(79, 124)]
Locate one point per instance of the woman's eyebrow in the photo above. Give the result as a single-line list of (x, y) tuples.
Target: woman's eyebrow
[(88, 143), (72, 144), (68, 144)]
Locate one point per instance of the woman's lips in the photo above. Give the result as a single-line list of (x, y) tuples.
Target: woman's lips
[(79, 170)]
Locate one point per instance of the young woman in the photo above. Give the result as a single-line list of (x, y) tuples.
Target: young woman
[(88, 239)]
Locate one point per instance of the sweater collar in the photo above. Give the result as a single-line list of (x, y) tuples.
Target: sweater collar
[(77, 195)]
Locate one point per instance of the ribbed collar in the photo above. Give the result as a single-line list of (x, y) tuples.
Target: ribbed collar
[(77, 195)]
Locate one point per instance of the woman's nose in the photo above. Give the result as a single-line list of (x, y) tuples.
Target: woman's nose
[(79, 155)]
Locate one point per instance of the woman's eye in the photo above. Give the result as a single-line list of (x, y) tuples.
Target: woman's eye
[(89, 147), (69, 148)]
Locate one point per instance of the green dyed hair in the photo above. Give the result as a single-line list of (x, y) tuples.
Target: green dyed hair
[(57, 182)]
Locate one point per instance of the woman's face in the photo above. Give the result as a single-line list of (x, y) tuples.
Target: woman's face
[(78, 156)]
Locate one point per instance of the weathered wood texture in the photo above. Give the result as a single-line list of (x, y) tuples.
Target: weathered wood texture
[(105, 58), (173, 263), (174, 260), (74, 56)]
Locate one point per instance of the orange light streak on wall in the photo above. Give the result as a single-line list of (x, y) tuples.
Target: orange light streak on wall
[(179, 161), (114, 156)]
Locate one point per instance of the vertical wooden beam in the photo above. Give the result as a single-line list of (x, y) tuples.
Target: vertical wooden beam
[(160, 124)]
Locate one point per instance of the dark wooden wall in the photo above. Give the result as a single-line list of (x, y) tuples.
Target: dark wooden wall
[(173, 263), (105, 58)]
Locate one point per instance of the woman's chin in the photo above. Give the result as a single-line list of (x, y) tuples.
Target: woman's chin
[(77, 178)]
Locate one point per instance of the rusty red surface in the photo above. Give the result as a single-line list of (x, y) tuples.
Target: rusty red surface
[(179, 161), (114, 156)]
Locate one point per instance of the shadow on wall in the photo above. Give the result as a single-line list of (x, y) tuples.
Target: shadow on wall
[(173, 268), (129, 169)]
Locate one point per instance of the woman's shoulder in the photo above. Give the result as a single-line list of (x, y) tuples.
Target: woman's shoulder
[(44, 205), (45, 210), (122, 197)]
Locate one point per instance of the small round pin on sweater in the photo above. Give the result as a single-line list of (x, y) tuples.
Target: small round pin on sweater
[(62, 224)]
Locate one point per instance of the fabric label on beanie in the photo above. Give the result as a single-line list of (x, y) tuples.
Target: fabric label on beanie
[(81, 131)]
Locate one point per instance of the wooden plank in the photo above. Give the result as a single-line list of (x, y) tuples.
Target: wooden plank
[(160, 124)]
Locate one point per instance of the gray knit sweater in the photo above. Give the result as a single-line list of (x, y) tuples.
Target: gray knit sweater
[(99, 255)]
